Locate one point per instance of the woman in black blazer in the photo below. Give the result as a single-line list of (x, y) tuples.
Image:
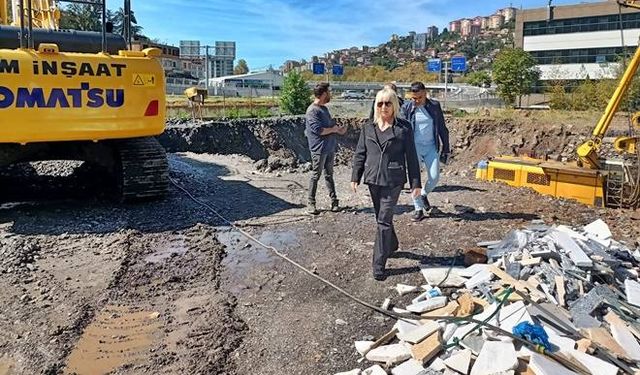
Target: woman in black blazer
[(384, 158)]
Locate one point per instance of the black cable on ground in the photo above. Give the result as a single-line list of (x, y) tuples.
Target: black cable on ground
[(390, 314)]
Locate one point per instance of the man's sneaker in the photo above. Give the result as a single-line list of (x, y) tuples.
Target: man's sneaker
[(311, 209), (335, 206), (417, 215), (425, 201)]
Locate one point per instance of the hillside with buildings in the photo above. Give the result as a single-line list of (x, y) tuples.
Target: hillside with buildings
[(478, 38)]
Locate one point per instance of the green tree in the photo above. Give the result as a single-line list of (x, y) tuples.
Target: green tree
[(119, 22), (241, 68), (515, 73), (559, 98), (480, 79), (83, 17), (295, 96)]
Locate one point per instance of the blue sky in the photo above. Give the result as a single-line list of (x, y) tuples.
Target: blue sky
[(272, 31)]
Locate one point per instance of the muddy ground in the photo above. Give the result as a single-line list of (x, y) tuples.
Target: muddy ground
[(90, 287)]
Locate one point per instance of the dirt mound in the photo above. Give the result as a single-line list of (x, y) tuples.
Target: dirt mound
[(275, 143)]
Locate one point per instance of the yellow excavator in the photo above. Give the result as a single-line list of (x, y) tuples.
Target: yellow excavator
[(591, 180), (78, 95)]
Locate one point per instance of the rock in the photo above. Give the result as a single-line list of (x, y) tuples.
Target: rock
[(632, 290), (374, 370), (420, 333), (363, 346), (341, 322)]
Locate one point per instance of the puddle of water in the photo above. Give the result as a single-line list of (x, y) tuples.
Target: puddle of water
[(241, 259), (117, 336), (166, 251)]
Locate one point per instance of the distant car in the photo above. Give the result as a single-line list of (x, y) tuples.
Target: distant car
[(350, 94)]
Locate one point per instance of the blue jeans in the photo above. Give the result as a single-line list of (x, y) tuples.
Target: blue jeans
[(431, 159)]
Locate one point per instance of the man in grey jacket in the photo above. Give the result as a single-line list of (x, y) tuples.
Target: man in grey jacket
[(321, 132)]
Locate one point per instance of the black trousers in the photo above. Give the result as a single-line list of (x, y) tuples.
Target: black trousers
[(384, 202), (322, 163)]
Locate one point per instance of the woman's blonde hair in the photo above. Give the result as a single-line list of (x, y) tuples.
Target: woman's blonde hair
[(385, 95)]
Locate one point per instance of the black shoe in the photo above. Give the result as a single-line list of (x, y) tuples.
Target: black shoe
[(417, 215), (425, 201), (335, 206), (312, 210), (380, 276)]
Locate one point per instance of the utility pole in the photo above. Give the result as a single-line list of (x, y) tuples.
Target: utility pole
[(446, 82), (206, 67)]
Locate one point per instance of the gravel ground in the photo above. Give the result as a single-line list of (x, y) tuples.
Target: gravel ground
[(166, 287)]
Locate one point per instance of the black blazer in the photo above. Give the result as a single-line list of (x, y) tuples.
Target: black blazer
[(390, 164)]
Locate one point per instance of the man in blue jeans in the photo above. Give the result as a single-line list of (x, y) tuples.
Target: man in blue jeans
[(431, 138)]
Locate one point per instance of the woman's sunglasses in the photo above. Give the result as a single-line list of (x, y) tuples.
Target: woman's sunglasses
[(386, 104)]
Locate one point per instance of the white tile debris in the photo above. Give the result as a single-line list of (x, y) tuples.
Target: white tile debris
[(391, 354), (495, 357), (410, 367), (536, 264)]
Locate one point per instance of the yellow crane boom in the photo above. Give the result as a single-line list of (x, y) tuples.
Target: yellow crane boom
[(45, 13)]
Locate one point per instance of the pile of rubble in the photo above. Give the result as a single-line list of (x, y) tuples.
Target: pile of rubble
[(544, 300)]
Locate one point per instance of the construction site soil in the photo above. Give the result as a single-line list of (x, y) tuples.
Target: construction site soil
[(89, 286)]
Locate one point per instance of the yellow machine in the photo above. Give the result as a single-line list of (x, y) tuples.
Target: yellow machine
[(591, 180), (80, 96)]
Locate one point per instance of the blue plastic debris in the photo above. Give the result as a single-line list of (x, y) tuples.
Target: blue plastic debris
[(533, 333)]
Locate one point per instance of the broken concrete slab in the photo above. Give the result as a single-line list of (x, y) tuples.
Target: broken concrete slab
[(531, 261), (450, 309), (443, 276), (459, 361), (599, 229), (428, 305), (632, 290), (541, 365), (595, 365), (410, 367), (481, 277), (577, 255), (511, 315), (495, 357), (554, 316), (374, 370), (363, 346), (391, 354), (603, 338), (623, 336), (352, 372), (437, 365), (419, 333), (472, 270)]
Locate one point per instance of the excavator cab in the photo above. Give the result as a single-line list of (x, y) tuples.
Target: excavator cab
[(79, 95)]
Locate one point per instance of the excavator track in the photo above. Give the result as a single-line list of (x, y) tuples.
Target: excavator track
[(143, 169)]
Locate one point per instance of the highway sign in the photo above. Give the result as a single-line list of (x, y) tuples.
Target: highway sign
[(318, 68), (434, 65), (337, 70), (458, 64)]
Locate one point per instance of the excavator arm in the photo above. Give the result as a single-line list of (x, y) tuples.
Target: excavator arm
[(45, 13), (4, 12), (588, 151)]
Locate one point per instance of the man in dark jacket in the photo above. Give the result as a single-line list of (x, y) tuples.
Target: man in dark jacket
[(431, 138)]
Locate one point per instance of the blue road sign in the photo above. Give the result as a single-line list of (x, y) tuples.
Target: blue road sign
[(337, 70), (434, 65), (318, 68), (458, 64)]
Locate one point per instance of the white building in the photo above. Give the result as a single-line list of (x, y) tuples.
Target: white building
[(266, 83), (576, 42)]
